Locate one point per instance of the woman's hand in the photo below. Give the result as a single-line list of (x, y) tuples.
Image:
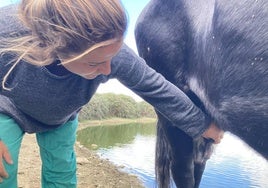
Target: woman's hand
[(214, 133), (4, 155)]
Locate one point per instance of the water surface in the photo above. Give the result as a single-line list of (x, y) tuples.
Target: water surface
[(232, 165)]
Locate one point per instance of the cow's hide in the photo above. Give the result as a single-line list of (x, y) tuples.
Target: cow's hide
[(217, 53)]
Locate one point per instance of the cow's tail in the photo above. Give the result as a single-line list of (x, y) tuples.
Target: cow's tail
[(162, 159)]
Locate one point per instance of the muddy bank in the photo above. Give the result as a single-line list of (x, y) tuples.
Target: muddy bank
[(91, 170)]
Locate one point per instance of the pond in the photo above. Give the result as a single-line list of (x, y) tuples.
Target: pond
[(233, 164)]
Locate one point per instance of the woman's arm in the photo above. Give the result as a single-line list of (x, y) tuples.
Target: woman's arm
[(169, 100)]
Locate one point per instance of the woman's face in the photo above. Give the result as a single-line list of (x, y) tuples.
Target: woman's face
[(96, 62)]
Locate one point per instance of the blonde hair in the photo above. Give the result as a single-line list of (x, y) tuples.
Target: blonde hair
[(60, 29)]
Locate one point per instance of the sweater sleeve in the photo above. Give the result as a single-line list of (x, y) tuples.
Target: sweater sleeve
[(10, 25), (166, 98)]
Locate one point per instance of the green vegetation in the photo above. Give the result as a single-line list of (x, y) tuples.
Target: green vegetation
[(110, 105), (115, 121)]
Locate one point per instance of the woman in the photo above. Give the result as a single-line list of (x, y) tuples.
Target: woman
[(54, 55)]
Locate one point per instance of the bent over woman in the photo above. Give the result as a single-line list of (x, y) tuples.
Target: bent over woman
[(54, 55)]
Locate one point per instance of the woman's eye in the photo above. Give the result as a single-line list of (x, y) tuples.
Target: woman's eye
[(95, 65)]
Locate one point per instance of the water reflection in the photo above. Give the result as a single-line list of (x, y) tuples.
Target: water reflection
[(232, 165), (109, 136), (137, 158)]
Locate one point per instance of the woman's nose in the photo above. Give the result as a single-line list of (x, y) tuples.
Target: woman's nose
[(105, 68)]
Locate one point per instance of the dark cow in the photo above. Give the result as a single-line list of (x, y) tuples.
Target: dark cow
[(216, 52)]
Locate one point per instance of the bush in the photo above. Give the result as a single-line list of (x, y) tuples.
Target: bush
[(146, 110), (96, 109), (108, 105)]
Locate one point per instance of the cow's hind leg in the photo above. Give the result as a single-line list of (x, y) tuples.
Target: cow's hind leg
[(203, 149), (174, 153), (179, 154)]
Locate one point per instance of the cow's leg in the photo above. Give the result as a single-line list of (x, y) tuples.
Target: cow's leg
[(182, 165), (185, 157), (203, 149), (174, 152)]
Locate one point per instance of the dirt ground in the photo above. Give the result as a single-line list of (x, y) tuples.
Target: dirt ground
[(92, 172)]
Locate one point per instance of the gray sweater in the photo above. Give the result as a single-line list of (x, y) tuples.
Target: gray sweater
[(41, 100)]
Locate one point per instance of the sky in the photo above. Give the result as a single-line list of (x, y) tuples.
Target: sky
[(133, 8)]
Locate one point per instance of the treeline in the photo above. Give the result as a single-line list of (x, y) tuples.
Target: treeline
[(109, 105)]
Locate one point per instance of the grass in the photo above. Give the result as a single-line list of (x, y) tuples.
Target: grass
[(114, 121)]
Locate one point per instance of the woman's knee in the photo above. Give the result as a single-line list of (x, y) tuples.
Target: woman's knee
[(58, 156), (57, 146)]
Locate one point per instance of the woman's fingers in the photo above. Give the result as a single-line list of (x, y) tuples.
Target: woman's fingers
[(4, 155)]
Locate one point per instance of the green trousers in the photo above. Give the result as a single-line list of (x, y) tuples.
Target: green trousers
[(56, 151)]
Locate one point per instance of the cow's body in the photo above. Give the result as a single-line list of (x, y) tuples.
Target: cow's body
[(217, 53)]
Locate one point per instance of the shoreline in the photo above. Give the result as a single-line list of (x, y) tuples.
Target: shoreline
[(92, 171)]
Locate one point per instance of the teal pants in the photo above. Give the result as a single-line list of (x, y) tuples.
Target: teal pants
[(56, 151)]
